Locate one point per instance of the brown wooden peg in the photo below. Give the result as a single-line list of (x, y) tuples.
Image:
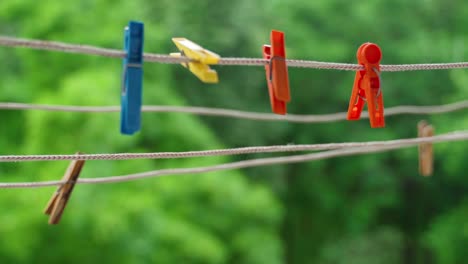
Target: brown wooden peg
[(59, 199), (426, 154)]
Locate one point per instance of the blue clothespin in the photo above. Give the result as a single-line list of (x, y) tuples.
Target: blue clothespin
[(130, 118)]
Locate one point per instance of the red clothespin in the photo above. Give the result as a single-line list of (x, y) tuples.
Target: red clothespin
[(277, 72), (367, 86)]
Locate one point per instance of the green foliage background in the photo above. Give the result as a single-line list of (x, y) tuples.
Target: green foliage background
[(363, 209)]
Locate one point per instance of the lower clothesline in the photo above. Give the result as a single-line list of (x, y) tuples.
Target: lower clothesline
[(230, 151), (347, 151)]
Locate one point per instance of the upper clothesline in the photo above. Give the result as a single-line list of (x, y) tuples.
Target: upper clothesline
[(367, 87), (167, 59)]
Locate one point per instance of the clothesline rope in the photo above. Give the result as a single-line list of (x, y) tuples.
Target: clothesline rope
[(162, 58), (397, 110), (458, 136), (232, 151), (337, 149)]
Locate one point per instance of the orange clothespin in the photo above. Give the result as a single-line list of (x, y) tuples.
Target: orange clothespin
[(277, 72), (426, 155), (59, 199), (367, 86)]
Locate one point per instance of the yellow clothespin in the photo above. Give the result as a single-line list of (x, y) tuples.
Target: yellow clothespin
[(426, 156), (201, 59), (59, 199)]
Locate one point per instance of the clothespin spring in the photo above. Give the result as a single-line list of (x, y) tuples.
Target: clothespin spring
[(270, 63), (380, 86), (182, 54), (124, 75)]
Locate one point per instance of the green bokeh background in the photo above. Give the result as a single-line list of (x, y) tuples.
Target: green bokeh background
[(363, 209)]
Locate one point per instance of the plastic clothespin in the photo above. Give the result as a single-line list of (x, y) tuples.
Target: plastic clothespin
[(201, 59), (277, 72), (132, 81), (59, 199), (426, 155), (367, 86)]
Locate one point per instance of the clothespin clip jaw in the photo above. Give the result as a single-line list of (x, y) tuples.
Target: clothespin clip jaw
[(277, 72), (132, 81), (200, 59), (367, 86), (59, 199), (426, 153)]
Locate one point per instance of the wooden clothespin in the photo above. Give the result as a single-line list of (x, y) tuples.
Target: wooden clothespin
[(277, 72), (367, 86), (59, 199), (201, 59), (426, 155)]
